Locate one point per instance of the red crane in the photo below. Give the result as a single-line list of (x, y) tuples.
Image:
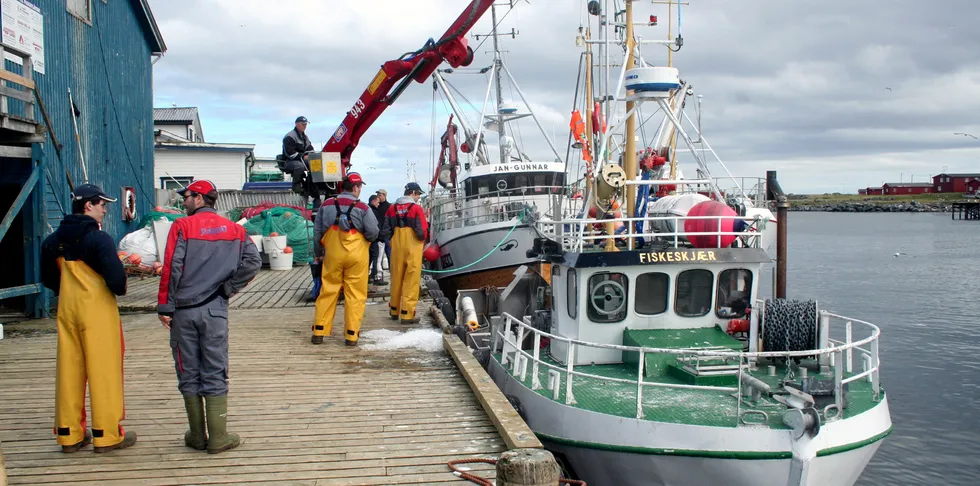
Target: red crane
[(418, 66)]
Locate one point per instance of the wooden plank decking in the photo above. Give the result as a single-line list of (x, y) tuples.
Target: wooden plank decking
[(270, 289), (312, 415)]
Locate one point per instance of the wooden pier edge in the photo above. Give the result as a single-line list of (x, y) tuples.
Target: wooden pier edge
[(511, 427)]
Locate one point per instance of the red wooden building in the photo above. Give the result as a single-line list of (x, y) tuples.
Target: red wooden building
[(874, 191), (893, 188), (973, 187), (953, 182)]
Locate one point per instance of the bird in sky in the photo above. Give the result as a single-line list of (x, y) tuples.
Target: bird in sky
[(966, 135)]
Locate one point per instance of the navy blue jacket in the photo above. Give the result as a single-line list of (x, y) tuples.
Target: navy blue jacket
[(79, 238)]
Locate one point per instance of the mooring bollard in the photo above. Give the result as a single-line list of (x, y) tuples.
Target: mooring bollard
[(527, 467)]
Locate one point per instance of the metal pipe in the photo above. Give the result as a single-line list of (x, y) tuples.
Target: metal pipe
[(774, 192)]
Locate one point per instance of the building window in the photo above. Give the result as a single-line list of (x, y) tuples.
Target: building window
[(693, 298), (176, 182), (81, 9), (652, 290), (734, 292), (572, 291), (607, 297)]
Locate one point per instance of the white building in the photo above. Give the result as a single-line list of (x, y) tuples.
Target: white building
[(182, 156)]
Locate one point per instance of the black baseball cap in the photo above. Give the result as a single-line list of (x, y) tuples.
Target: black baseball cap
[(85, 192), (302, 119), (414, 187)]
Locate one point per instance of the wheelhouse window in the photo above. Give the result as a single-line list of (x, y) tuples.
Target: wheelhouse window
[(734, 292), (607, 297), (652, 290), (511, 184), (571, 297), (694, 289)]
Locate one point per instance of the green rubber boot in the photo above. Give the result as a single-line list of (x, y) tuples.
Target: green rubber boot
[(196, 437), (219, 439)]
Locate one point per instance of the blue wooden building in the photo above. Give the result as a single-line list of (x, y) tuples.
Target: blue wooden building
[(76, 104)]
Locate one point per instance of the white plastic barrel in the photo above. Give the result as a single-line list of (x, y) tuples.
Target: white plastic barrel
[(272, 243)]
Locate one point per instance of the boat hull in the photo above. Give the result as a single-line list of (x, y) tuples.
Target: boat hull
[(613, 450), (458, 250)]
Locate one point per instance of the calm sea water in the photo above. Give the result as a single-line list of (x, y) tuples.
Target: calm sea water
[(927, 303)]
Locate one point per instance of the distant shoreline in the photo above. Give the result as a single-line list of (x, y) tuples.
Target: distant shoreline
[(861, 203), (852, 207)]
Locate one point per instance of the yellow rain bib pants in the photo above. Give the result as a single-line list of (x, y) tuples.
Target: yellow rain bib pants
[(90, 348), (406, 273), (346, 264)]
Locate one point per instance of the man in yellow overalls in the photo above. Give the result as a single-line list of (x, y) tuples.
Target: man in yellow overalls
[(344, 230), (79, 263), (405, 226)]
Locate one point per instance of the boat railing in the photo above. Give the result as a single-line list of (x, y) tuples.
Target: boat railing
[(579, 233), (832, 354), (491, 207)]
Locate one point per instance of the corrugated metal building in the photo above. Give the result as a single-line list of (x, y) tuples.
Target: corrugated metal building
[(103, 52)]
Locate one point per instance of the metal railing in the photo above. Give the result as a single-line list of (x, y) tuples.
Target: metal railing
[(838, 355), (575, 234), (491, 207)]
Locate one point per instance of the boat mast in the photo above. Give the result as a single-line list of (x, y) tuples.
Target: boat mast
[(501, 131), (629, 160), (589, 103), (672, 148)]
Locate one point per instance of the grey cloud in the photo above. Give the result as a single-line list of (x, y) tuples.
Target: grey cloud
[(786, 82)]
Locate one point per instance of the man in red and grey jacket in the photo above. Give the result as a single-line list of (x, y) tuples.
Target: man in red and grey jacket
[(208, 259)]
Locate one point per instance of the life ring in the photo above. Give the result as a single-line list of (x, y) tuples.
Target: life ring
[(129, 204)]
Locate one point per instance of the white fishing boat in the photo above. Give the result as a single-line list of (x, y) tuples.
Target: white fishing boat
[(484, 199), (643, 351)]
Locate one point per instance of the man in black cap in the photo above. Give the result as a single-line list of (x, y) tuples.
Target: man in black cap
[(79, 263), (295, 145)]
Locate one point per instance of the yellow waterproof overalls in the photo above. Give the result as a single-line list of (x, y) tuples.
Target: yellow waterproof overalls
[(406, 267), (90, 348), (346, 264)]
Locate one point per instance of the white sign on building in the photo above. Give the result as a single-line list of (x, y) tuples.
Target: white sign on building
[(23, 29)]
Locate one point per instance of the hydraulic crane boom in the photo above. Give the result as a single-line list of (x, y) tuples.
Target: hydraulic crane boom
[(418, 66)]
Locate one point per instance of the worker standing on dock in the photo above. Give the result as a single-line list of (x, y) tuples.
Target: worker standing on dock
[(344, 230), (208, 259), (79, 263), (405, 226)]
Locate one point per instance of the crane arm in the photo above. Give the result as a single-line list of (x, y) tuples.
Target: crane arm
[(418, 66)]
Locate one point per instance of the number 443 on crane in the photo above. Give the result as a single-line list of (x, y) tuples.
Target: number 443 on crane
[(332, 164)]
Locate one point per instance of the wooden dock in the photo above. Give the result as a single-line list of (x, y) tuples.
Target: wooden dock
[(309, 415), (966, 210), (270, 289)]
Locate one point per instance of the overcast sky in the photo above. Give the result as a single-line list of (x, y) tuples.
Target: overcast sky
[(833, 94)]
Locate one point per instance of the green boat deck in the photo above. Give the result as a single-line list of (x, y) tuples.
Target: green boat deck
[(679, 405)]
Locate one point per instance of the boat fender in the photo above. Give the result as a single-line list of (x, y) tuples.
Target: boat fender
[(468, 312), (447, 309)]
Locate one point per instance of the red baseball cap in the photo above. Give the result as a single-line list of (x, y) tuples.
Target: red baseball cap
[(355, 178), (202, 186)]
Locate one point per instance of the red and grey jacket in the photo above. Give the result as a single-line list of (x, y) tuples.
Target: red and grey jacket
[(405, 213), (207, 255)]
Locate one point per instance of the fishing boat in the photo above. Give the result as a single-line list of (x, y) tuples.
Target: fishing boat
[(484, 193), (644, 350)]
